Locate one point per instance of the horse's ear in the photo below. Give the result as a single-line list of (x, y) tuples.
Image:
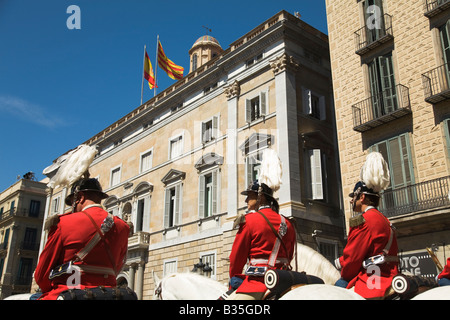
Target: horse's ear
[(155, 276)]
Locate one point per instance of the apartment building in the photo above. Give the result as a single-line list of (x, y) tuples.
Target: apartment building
[(390, 70), (174, 167), (21, 216)]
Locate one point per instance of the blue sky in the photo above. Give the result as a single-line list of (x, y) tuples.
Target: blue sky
[(60, 86)]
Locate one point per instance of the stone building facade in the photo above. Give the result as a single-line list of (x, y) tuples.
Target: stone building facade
[(175, 166), (389, 60), (21, 215)]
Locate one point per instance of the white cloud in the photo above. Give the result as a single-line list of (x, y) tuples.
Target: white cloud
[(29, 112)]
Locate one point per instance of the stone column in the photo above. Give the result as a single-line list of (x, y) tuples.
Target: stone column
[(232, 94), (140, 280), (284, 68), (132, 273)]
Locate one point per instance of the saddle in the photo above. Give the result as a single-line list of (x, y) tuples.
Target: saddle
[(98, 293), (279, 282), (406, 287)]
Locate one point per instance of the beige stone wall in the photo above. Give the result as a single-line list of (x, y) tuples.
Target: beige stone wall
[(416, 50)]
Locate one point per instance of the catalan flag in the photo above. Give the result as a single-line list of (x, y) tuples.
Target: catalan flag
[(148, 72), (173, 71)]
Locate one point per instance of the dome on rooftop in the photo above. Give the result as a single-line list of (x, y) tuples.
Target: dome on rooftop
[(206, 40)]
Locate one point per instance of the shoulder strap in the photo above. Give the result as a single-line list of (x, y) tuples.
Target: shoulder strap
[(281, 232), (99, 235)]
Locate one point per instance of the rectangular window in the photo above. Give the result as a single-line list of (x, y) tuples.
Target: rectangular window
[(146, 160), (172, 208), (252, 167), (29, 241), (317, 176), (209, 129), (314, 104), (382, 86), (115, 176), (175, 147), (25, 271), (140, 215), (35, 206), (170, 267), (209, 260), (208, 194), (55, 205), (328, 248), (396, 151), (256, 107)]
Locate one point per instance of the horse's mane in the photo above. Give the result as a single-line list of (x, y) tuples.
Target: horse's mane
[(315, 264)]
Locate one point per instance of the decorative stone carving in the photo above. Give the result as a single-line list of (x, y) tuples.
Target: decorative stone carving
[(284, 62), (233, 90)]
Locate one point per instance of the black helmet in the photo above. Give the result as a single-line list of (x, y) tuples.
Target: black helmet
[(254, 187), (91, 184), (361, 187)]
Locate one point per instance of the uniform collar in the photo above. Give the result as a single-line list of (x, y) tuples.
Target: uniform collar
[(93, 205)]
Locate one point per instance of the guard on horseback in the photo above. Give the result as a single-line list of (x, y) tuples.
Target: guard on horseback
[(266, 239), (369, 260), (86, 248)]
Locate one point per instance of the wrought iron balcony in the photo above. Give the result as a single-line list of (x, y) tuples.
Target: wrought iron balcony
[(436, 84), (426, 195), (433, 7), (381, 108), (374, 34)]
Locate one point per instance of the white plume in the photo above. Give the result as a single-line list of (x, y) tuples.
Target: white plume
[(375, 172), (271, 170), (73, 166)]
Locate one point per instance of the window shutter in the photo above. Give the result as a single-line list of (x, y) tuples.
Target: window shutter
[(204, 134), (177, 211), (263, 103), (167, 209), (307, 103), (215, 127), (322, 108), (248, 111), (248, 171), (214, 192), (201, 197), (316, 174)]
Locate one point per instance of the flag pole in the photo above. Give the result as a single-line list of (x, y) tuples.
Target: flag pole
[(156, 67), (143, 71)]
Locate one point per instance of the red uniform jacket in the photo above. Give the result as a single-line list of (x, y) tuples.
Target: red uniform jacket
[(255, 240), (69, 236), (446, 272), (365, 240)]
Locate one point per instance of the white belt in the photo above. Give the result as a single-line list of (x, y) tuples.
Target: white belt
[(94, 269), (254, 262)]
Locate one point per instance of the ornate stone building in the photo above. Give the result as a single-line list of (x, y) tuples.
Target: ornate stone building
[(389, 60), (21, 215), (175, 166)]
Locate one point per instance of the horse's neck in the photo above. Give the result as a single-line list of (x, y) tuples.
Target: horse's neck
[(315, 264)]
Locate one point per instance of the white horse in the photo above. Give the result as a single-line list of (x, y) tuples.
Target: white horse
[(439, 293), (321, 292), (21, 296), (189, 286)]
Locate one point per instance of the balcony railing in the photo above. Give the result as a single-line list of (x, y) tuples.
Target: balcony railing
[(374, 34), (433, 7), (436, 84), (426, 195), (381, 108)]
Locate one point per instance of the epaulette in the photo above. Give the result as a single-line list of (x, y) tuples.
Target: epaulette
[(240, 219), (356, 221), (51, 221)]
